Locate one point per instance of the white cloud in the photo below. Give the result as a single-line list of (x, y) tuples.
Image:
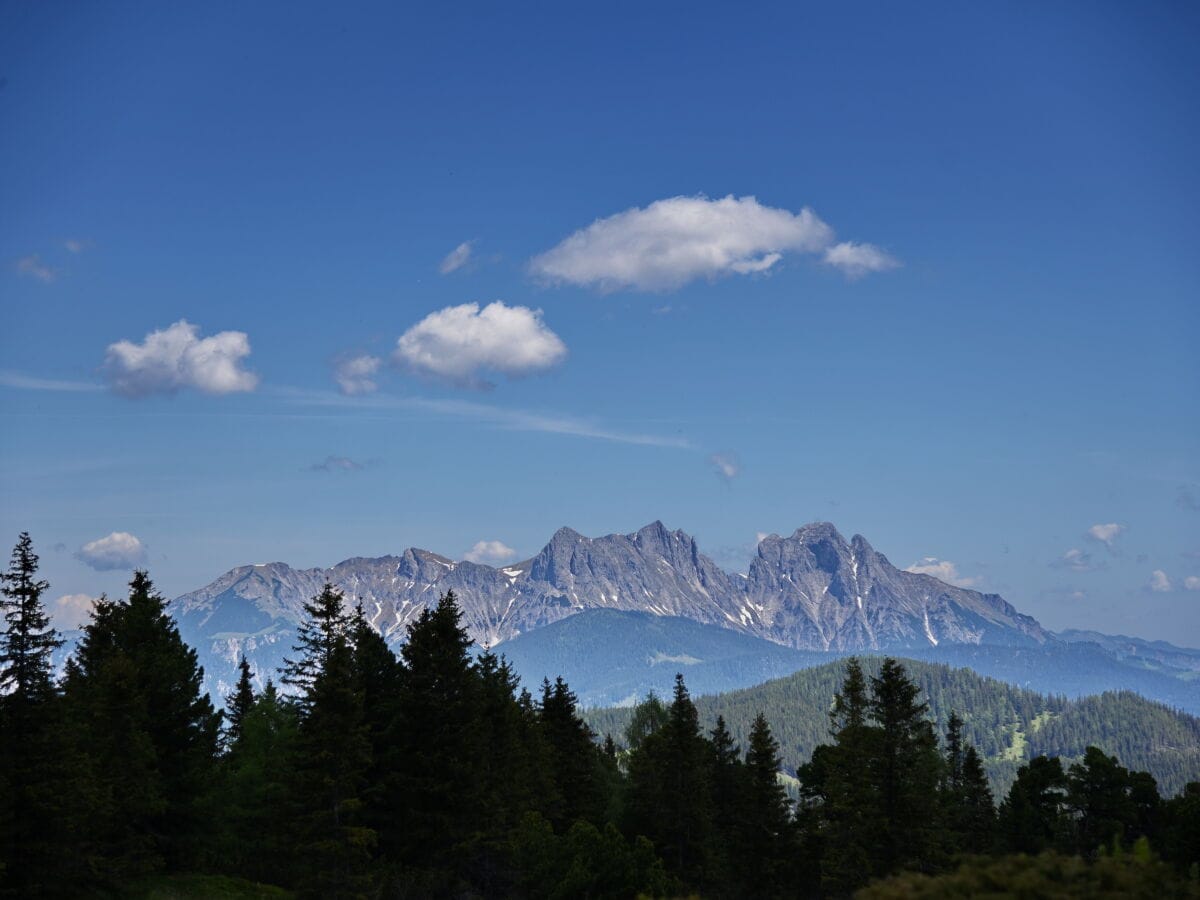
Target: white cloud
[(1105, 534), (490, 552), (459, 342), (33, 266), (75, 245), (176, 357), (120, 550), (677, 240), (726, 465), (1077, 561), (942, 570), (456, 258), (857, 260), (354, 375), (1159, 582), (71, 611), (1191, 583)]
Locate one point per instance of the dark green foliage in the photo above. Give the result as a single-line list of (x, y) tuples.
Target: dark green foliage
[(1007, 725), (33, 752), (436, 775), (1032, 816), (586, 862), (147, 736), (1127, 876), (238, 704), (669, 792), (333, 756), (256, 804)]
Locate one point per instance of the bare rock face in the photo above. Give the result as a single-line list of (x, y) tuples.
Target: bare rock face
[(812, 591)]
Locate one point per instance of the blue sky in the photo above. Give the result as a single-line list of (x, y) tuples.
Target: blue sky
[(980, 343)]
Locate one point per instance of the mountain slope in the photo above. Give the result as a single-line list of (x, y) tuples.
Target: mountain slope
[(610, 656), (1007, 724), (812, 590)]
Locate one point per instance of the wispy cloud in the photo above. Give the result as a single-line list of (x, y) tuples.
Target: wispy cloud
[(458, 343), (1077, 560), (490, 552), (680, 239), (119, 550), (856, 260), (500, 417), (726, 465), (33, 267), (76, 245), (1191, 583), (33, 383), (355, 375), (942, 570), (456, 258), (337, 464), (177, 357)]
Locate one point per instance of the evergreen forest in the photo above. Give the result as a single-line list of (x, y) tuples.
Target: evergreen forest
[(434, 773)]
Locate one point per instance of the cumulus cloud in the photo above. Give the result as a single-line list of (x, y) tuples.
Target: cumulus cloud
[(1191, 583), (490, 552), (1159, 582), (856, 260), (726, 465), (71, 611), (337, 464), (680, 239), (458, 343), (1105, 534), (33, 266), (456, 258), (942, 570), (120, 550), (354, 375), (177, 357), (1077, 561)]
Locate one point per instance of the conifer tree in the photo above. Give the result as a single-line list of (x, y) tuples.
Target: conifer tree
[(572, 757), (907, 771), (767, 819), (670, 798), (333, 755), (150, 731), (438, 741), (28, 641), (1032, 816), (239, 703), (32, 753)]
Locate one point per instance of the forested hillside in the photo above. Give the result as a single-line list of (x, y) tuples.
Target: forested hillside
[(1008, 725), (435, 774)]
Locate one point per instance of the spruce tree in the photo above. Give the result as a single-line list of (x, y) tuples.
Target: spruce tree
[(28, 642), (150, 731), (239, 703), (32, 753), (766, 841), (572, 756), (439, 744), (1032, 817), (907, 772), (333, 755)]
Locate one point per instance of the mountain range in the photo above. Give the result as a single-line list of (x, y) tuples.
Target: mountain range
[(803, 599)]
